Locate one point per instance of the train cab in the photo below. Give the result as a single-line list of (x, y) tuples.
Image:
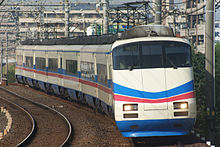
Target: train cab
[(153, 84)]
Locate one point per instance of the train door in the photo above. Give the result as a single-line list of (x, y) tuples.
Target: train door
[(153, 77)]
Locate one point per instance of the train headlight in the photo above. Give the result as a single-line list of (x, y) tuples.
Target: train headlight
[(180, 105), (130, 107)]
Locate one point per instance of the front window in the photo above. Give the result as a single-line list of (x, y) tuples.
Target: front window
[(178, 55), (126, 57), (152, 56), (144, 55)]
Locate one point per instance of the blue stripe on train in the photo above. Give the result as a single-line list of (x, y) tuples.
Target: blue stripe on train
[(158, 127), (187, 87)]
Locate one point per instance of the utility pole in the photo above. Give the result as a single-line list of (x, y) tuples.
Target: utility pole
[(158, 12), (66, 18), (17, 29), (210, 67), (84, 22), (6, 58), (1, 61), (105, 16), (41, 23)]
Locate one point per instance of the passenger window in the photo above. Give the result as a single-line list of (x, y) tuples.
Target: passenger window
[(71, 67), (40, 63), (102, 74), (29, 62), (87, 70), (53, 64)]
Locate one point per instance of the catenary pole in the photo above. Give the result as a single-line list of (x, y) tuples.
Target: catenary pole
[(105, 16), (66, 18), (6, 58), (210, 67), (157, 11), (1, 60)]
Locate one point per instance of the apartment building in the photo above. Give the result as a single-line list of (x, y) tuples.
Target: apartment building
[(186, 17), (195, 26), (52, 23), (8, 31)]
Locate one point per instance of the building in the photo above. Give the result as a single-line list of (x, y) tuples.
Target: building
[(217, 31), (195, 26), (52, 23), (8, 29), (187, 20)]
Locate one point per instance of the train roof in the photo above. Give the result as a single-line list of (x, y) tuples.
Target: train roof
[(135, 32)]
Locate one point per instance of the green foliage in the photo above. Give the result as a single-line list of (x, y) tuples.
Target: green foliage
[(11, 72), (217, 87), (199, 82), (198, 61)]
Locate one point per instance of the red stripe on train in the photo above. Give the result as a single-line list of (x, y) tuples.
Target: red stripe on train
[(144, 100)]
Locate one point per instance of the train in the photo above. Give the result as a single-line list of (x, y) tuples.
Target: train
[(142, 78)]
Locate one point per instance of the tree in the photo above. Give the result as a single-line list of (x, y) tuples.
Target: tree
[(198, 61), (217, 86)]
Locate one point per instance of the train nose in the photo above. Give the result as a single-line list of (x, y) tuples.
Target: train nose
[(162, 127)]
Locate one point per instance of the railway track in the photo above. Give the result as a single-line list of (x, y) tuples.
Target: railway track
[(25, 120), (90, 127), (94, 129), (52, 128)]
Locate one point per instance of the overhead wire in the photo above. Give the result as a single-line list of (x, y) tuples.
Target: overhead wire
[(2, 2)]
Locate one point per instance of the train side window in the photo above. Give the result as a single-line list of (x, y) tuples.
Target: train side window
[(71, 67), (19, 60), (102, 74), (40, 63), (29, 61), (152, 56), (53, 64), (87, 70)]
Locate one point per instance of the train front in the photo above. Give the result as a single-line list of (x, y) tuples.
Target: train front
[(153, 86)]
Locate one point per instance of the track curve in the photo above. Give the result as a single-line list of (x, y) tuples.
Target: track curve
[(33, 128), (45, 107), (91, 128)]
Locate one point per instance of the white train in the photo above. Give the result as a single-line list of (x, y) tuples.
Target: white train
[(143, 77)]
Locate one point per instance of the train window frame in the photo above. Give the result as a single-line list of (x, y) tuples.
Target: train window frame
[(74, 67), (52, 64), (40, 63), (29, 61), (163, 55)]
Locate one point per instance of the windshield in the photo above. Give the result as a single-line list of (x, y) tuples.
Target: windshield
[(143, 55)]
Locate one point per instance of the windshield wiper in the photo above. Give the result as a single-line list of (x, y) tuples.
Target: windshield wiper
[(131, 68), (171, 62)]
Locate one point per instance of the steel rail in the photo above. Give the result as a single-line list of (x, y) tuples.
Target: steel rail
[(33, 129), (45, 106)]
